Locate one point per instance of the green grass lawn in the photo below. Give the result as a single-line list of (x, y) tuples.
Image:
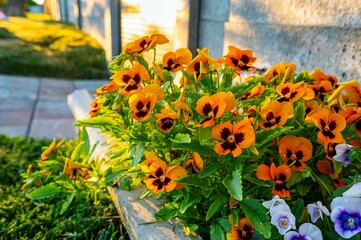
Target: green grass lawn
[(37, 46), (22, 218)]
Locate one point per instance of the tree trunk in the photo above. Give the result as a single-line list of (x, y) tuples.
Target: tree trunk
[(16, 8)]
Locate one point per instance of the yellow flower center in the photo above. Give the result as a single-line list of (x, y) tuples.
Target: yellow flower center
[(284, 223), (350, 222), (230, 138)]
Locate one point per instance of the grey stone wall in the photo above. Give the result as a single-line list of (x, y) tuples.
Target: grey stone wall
[(309, 33)]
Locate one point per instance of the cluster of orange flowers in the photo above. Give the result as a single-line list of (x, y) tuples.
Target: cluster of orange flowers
[(323, 102)]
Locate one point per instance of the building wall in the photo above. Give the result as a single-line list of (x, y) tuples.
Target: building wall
[(309, 33)]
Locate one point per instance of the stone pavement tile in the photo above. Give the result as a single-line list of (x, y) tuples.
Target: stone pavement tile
[(6, 92), (55, 88), (90, 85), (14, 131), (14, 118), (16, 104), (52, 108), (30, 84), (50, 128)]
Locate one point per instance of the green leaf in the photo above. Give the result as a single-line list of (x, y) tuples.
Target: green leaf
[(264, 137), (211, 168), (332, 236), (136, 151), (189, 200), (297, 208), (216, 232), (181, 138), (193, 180), (75, 155), (85, 138), (234, 185), (44, 192), (257, 215), (204, 134), (67, 203), (234, 217), (215, 206), (194, 146), (168, 211), (99, 121), (227, 78), (303, 188), (296, 177), (300, 111)]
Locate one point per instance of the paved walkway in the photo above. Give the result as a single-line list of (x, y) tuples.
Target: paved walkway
[(37, 107)]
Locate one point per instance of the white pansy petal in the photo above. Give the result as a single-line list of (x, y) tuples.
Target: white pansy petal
[(310, 230)]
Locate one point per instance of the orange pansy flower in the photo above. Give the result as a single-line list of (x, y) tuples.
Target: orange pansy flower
[(49, 150), (243, 231), (355, 118), (330, 125), (240, 60), (318, 76), (184, 110), (295, 151), (154, 89), (292, 92), (234, 137), (276, 114), (212, 107), (165, 119), (175, 61), (143, 44), (321, 90), (160, 177), (131, 79), (74, 169), (196, 163), (310, 106), (109, 87), (278, 175), (142, 105), (282, 71), (198, 66), (325, 167), (255, 92), (353, 92), (95, 106)]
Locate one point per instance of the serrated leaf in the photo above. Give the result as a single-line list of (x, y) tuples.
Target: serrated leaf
[(189, 200), (211, 168), (136, 151), (266, 136), (257, 215), (168, 211), (193, 180), (181, 138), (215, 206), (194, 146), (67, 203), (234, 185), (44, 192), (216, 232)]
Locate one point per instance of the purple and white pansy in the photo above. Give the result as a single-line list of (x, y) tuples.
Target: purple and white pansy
[(341, 154), (307, 231), (346, 212), (316, 211)]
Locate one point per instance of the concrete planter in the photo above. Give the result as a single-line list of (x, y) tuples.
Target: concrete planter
[(137, 214)]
